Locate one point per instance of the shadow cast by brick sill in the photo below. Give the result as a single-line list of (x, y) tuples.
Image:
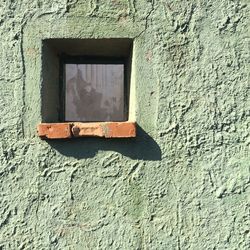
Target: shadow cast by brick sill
[(143, 147)]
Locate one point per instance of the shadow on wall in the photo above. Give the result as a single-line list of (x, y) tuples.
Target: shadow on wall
[(143, 147)]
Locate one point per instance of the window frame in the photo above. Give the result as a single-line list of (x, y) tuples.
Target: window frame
[(81, 59)]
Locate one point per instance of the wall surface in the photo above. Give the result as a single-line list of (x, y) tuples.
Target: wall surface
[(183, 183)]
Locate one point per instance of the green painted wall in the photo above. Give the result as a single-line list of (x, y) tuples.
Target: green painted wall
[(183, 183)]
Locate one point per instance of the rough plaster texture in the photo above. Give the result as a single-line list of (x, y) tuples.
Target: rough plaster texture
[(183, 183)]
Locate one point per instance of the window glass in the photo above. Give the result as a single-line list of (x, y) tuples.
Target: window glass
[(94, 92)]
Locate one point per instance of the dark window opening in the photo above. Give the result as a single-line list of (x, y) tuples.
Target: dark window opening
[(86, 80)]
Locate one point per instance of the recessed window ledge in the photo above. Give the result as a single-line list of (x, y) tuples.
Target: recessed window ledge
[(69, 130)]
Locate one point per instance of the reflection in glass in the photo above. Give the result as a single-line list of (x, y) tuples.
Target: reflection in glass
[(94, 92)]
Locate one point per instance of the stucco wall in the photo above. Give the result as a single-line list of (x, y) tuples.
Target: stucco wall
[(183, 183)]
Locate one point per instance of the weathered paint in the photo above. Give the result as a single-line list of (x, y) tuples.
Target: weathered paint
[(183, 183)]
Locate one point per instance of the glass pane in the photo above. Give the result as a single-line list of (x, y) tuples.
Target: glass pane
[(94, 92)]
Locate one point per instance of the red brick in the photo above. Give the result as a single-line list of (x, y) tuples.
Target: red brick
[(120, 129), (105, 129), (89, 129), (54, 130)]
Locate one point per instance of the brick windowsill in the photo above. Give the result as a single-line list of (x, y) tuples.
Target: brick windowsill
[(89, 129)]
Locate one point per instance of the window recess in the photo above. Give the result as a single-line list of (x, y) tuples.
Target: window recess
[(89, 95)]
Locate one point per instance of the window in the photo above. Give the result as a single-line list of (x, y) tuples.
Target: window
[(93, 89), (85, 88)]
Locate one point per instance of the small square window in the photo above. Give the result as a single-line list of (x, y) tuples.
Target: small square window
[(85, 88), (93, 90), (86, 80)]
